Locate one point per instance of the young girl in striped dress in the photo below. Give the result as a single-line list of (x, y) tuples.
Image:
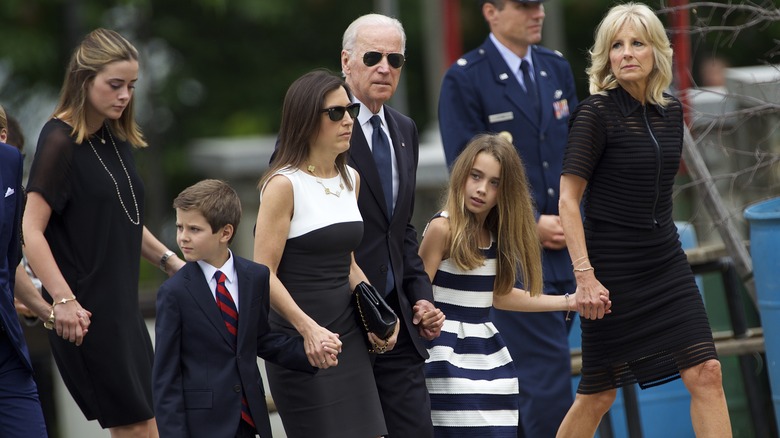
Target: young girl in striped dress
[(473, 251)]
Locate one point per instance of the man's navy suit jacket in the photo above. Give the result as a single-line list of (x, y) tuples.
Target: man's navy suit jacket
[(392, 240), (10, 246)]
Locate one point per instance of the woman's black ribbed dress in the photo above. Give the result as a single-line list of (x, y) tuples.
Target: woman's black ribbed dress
[(629, 153)]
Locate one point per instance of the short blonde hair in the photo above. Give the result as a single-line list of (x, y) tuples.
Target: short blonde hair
[(650, 28)]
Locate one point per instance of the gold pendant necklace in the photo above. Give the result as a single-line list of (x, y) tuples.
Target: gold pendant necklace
[(311, 168)]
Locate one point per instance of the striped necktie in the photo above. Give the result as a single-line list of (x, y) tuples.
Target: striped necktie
[(230, 314)]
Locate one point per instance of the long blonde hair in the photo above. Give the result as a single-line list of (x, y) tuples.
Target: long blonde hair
[(511, 220), (98, 49), (650, 28)]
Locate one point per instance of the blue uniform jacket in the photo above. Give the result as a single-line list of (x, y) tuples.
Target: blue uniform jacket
[(479, 94)]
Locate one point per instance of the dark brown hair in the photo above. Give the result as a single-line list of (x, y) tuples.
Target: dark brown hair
[(301, 120)]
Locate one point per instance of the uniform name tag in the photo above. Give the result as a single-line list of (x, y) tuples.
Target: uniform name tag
[(501, 117)]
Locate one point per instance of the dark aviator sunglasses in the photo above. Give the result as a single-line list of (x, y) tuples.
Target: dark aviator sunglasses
[(336, 113), (396, 60)]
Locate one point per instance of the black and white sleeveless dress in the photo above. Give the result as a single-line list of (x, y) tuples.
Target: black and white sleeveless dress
[(325, 228)]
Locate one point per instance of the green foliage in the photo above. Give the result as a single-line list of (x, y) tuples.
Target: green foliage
[(221, 67)]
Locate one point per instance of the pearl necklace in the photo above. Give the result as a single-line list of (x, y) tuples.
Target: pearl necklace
[(328, 191), (137, 220)]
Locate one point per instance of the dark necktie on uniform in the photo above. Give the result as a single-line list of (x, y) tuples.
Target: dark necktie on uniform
[(230, 314), (530, 86), (384, 165)]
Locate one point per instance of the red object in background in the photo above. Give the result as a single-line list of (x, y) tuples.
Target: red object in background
[(453, 43), (681, 42)]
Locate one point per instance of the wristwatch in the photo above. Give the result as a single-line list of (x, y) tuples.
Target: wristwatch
[(164, 260)]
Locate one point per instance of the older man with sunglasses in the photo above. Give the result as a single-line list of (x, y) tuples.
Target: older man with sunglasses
[(384, 150)]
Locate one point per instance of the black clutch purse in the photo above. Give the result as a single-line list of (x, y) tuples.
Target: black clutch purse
[(372, 311)]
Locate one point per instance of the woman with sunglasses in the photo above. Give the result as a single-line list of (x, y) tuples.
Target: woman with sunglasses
[(308, 225)]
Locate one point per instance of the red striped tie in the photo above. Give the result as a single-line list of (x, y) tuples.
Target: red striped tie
[(230, 314)]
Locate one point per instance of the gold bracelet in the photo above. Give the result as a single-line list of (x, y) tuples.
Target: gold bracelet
[(62, 301), (583, 257), (568, 311), (589, 268), (49, 323)]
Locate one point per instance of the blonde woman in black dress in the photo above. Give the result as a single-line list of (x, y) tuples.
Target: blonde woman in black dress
[(625, 142), (84, 236)]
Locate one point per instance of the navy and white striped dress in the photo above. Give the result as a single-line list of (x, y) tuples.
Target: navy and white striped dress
[(470, 374)]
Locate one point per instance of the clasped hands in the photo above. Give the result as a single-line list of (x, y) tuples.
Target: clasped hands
[(428, 319), (69, 320), (322, 346), (592, 300)]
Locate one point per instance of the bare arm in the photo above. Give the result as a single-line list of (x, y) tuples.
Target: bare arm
[(520, 300), (152, 250), (433, 246), (273, 227), (589, 289), (433, 249), (28, 295), (68, 316), (356, 274)]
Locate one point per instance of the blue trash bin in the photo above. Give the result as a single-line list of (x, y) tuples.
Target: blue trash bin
[(764, 219)]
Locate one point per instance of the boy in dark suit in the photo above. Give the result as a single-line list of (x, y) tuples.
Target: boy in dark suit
[(212, 324)]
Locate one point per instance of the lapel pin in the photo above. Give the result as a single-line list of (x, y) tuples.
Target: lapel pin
[(558, 94), (543, 74), (503, 76)]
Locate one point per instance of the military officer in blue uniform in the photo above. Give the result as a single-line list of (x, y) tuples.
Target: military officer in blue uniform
[(512, 86)]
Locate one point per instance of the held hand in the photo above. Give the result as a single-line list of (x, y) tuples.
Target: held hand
[(604, 297), (322, 346), (382, 345), (23, 310), (551, 232), (428, 319), (71, 321), (332, 350), (592, 297)]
